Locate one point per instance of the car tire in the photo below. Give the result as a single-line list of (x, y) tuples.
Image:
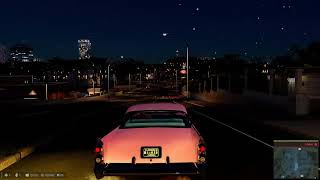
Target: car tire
[(99, 175), (203, 174)]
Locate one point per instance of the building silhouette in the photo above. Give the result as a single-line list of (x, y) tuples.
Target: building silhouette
[(21, 53), (3, 54)]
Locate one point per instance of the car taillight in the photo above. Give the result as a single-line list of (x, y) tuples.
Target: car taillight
[(99, 159), (98, 149), (202, 152), (202, 149), (99, 152)]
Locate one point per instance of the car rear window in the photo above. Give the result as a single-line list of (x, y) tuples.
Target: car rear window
[(141, 119)]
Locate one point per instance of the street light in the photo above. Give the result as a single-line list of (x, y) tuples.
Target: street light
[(164, 35)]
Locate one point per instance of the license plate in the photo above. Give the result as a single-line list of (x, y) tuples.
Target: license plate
[(150, 152)]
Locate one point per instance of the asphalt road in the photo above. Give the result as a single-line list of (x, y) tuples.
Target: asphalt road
[(232, 155)]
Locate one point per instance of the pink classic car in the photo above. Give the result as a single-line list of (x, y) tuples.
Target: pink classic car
[(154, 138)]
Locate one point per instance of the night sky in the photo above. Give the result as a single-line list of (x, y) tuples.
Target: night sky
[(137, 28)]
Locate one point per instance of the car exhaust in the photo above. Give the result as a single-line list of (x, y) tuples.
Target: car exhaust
[(168, 160), (133, 161)]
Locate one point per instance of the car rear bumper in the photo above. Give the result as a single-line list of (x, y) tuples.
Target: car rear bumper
[(149, 169)]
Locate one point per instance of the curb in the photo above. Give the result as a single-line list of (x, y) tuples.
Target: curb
[(26, 151), (22, 153), (219, 98), (289, 130), (281, 128), (9, 160)]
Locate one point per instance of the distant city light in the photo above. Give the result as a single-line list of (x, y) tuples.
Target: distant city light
[(291, 80), (21, 53), (183, 71), (84, 46)]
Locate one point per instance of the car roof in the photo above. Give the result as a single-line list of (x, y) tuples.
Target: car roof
[(158, 107)]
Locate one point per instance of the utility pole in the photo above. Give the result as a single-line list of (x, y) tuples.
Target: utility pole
[(218, 83), (94, 91), (176, 80), (129, 81), (108, 78), (140, 79), (114, 80), (187, 71), (211, 84), (46, 91)]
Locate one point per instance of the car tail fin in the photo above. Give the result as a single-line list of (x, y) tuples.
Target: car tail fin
[(99, 151), (202, 153)]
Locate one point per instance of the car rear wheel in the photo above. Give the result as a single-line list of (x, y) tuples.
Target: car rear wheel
[(203, 174), (98, 172), (99, 175)]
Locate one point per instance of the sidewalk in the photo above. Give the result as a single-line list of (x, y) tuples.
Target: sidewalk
[(308, 126), (24, 131), (223, 97), (24, 102), (24, 116)]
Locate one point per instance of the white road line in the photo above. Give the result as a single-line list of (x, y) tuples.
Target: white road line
[(32, 114), (214, 120), (195, 104)]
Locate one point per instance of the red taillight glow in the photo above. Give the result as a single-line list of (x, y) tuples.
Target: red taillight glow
[(97, 150), (202, 148), (202, 153)]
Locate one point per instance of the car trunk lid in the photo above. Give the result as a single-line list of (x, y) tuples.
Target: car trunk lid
[(176, 145)]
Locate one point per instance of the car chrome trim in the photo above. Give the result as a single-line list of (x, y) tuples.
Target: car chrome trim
[(150, 169)]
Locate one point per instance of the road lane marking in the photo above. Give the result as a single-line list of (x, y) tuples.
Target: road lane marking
[(32, 114), (214, 120), (195, 104)]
